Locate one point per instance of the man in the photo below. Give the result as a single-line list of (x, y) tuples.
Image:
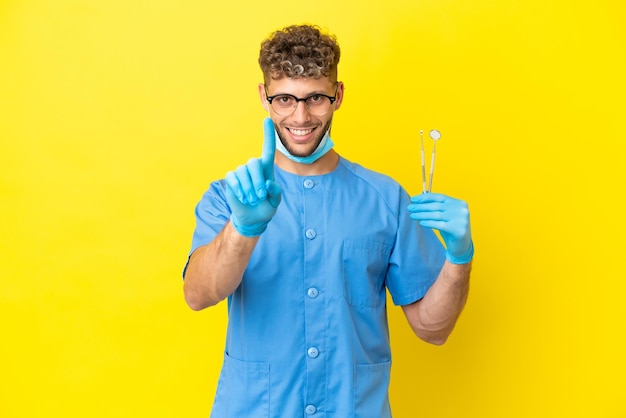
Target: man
[(304, 244)]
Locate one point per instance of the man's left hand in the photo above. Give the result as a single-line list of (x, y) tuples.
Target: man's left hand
[(451, 218)]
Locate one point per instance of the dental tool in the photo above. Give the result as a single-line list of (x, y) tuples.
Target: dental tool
[(423, 163), (434, 135)]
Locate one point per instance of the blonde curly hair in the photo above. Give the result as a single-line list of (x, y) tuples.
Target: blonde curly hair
[(301, 51)]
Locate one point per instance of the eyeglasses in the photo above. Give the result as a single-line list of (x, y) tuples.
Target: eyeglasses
[(316, 104)]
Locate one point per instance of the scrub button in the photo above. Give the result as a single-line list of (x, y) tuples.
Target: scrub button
[(310, 409), (313, 352), (309, 184), (312, 292), (310, 233)]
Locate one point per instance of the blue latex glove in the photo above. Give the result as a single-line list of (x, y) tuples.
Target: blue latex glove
[(251, 191), (451, 218)]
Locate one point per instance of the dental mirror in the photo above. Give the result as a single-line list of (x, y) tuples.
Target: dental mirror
[(435, 135)]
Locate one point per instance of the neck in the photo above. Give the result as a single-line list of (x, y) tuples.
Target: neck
[(324, 165)]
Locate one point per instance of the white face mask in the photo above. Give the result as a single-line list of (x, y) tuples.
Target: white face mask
[(325, 145)]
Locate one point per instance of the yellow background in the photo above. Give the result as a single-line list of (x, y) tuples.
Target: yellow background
[(115, 115)]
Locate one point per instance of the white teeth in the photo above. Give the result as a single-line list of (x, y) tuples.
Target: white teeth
[(301, 132)]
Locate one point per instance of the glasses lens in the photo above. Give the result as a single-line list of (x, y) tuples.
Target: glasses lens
[(284, 105), (318, 105)]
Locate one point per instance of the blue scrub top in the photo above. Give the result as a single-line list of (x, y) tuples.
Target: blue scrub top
[(307, 327)]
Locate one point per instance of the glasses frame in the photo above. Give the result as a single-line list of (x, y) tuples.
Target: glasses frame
[(299, 99)]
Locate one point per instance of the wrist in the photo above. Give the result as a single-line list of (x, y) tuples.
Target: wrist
[(463, 258), (253, 230)]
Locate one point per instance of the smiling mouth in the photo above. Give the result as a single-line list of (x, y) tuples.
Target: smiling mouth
[(300, 132)]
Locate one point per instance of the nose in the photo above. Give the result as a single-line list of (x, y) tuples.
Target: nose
[(301, 113)]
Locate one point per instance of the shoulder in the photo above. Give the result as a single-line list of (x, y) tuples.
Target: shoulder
[(366, 184), (371, 177), (213, 200)]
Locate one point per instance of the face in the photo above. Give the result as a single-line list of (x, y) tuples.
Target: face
[(301, 132)]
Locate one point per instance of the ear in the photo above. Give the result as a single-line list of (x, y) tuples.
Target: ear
[(340, 91), (263, 97)]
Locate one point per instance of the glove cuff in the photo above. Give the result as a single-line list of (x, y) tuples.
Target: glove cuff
[(463, 259), (253, 230)]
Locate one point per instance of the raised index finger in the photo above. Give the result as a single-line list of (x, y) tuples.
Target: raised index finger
[(269, 149)]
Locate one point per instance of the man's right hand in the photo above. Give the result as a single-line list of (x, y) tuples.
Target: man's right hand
[(251, 191)]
